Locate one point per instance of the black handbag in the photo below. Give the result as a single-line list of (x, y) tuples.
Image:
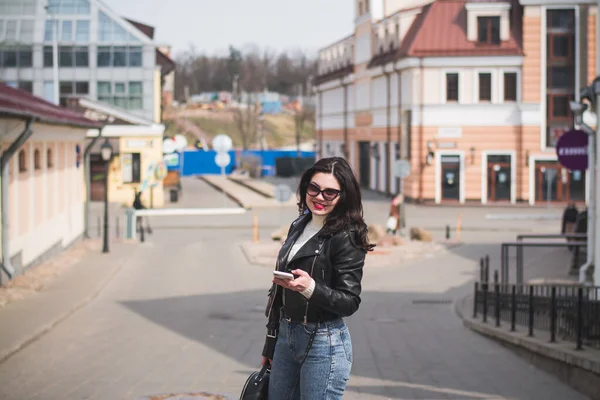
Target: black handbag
[(257, 384)]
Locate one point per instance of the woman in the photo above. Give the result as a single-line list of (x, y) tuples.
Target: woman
[(308, 343)]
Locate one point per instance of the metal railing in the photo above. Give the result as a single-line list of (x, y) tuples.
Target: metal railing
[(519, 245), (569, 313)]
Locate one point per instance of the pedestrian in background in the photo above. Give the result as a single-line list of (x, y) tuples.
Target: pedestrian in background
[(325, 251), (569, 221)]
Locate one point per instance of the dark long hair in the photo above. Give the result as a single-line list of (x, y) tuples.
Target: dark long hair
[(348, 212)]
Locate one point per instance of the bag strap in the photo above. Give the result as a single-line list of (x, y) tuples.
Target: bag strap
[(308, 346)]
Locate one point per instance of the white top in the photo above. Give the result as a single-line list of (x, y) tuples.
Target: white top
[(311, 229)]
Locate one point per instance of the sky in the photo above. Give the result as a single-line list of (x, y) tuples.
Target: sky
[(211, 26)]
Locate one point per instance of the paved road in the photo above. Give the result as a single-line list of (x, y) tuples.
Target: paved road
[(185, 314)]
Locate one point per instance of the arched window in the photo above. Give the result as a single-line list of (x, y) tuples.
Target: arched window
[(49, 163), (22, 161), (36, 159)]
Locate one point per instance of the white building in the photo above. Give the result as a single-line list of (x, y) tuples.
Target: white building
[(101, 55)]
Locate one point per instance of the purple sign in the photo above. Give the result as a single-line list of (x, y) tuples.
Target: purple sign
[(572, 150)]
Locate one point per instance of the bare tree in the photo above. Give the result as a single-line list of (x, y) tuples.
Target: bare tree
[(246, 121)]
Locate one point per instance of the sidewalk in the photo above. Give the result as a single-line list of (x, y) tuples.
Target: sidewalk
[(25, 320), (579, 369)]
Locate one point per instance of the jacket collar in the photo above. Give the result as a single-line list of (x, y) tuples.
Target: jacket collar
[(311, 248)]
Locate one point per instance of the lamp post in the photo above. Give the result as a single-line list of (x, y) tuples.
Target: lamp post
[(106, 152)]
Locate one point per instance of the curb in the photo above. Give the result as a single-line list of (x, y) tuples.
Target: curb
[(49, 326), (235, 199), (577, 369)]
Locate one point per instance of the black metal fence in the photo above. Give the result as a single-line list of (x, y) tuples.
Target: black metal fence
[(567, 312)]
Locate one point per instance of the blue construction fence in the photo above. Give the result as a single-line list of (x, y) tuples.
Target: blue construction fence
[(198, 162)]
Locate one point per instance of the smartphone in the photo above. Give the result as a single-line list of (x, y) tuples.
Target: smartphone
[(283, 275)]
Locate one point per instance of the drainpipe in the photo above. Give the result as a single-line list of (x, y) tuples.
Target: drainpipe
[(346, 147), (400, 183), (421, 144), (88, 183), (388, 164), (6, 156), (320, 124)]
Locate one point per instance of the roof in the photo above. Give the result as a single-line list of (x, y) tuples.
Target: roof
[(145, 29), (444, 33), (21, 104), (167, 64), (103, 111)]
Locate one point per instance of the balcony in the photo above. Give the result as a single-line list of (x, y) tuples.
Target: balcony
[(337, 57)]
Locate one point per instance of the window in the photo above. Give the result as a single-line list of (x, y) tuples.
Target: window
[(119, 56), (360, 8), (485, 87), (11, 30), (124, 95), (65, 56), (104, 56), (560, 72), (135, 56), (561, 77), (82, 31), (48, 56), (510, 86), (25, 56), (49, 161), (68, 56), (112, 31), (68, 89), (49, 91), (49, 30), (558, 106), (452, 87), (81, 56), (37, 163), (26, 86), (488, 30), (67, 31), (26, 34), (22, 161), (132, 172), (12, 57), (561, 19), (561, 46)]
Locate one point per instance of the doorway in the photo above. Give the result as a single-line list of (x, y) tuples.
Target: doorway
[(553, 182), (450, 177), (364, 159), (499, 178), (97, 177)]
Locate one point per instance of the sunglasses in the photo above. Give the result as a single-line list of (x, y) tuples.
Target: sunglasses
[(313, 190)]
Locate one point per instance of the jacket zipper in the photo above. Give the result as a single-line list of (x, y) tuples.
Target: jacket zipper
[(312, 270), (277, 286)]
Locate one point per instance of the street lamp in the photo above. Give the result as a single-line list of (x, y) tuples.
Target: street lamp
[(106, 153)]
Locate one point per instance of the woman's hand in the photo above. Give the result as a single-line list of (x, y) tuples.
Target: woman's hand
[(265, 360), (301, 283)]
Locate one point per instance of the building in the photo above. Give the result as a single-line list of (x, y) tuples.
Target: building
[(100, 55), (473, 94), (137, 154), (43, 186)]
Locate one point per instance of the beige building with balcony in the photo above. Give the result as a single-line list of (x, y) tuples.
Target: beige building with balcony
[(473, 94)]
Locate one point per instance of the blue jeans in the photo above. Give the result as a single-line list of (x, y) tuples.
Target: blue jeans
[(327, 367)]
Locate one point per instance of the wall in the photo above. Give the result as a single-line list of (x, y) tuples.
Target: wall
[(46, 205), (150, 149)]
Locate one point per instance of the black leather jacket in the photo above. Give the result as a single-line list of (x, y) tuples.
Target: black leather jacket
[(334, 262)]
